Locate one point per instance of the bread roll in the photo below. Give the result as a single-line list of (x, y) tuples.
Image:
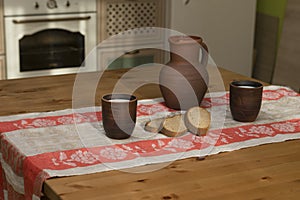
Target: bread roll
[(174, 126), (197, 120), (154, 125)]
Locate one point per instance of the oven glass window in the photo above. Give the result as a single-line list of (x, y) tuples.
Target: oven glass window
[(51, 49)]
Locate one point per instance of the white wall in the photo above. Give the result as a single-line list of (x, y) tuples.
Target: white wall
[(227, 26)]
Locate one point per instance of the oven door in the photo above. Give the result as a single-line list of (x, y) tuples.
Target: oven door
[(49, 45)]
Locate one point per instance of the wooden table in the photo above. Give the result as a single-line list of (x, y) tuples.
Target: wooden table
[(263, 172)]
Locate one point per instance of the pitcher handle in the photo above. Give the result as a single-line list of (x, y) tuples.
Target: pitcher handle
[(204, 58)]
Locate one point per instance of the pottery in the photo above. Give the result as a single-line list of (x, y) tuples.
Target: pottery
[(118, 115), (245, 100), (183, 80)]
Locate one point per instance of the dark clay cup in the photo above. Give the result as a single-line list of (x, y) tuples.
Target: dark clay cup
[(245, 100), (119, 115)]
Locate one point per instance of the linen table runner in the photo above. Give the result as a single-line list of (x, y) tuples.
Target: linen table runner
[(38, 146)]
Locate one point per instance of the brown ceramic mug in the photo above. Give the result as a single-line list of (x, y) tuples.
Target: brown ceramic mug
[(119, 115), (245, 100)]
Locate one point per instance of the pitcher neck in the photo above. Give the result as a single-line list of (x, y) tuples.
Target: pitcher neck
[(185, 48), (185, 53)]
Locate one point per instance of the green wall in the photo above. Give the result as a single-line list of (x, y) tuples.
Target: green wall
[(275, 8)]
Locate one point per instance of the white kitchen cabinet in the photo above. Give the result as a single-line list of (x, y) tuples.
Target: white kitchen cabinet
[(128, 19), (227, 26), (1, 29), (2, 49), (116, 16), (2, 68)]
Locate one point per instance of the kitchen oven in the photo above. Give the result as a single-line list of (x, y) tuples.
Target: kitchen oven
[(48, 37)]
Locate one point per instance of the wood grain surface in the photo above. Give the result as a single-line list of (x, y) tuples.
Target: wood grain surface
[(50, 93), (258, 173)]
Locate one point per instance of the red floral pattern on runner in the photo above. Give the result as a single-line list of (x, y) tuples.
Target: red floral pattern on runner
[(47, 121), (277, 94), (34, 166), (120, 152)]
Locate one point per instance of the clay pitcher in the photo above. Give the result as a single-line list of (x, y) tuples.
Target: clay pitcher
[(184, 79)]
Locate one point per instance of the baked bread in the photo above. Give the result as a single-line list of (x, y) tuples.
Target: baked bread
[(174, 126), (154, 125), (197, 120)]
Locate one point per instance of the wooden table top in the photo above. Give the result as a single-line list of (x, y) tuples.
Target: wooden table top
[(50, 93), (264, 172)]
